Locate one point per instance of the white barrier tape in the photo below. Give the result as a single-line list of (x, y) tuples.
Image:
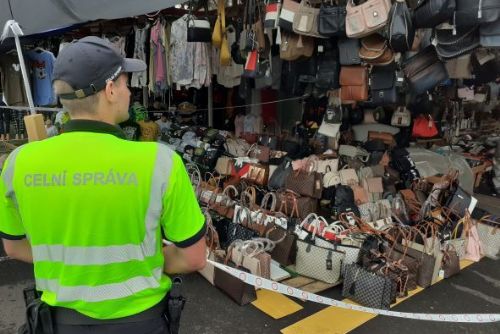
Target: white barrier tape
[(263, 283)]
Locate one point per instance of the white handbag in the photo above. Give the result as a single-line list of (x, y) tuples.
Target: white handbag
[(325, 166), (348, 177), (319, 263), (331, 179), (489, 234), (401, 117)]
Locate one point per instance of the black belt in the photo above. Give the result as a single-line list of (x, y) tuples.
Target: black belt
[(66, 316)]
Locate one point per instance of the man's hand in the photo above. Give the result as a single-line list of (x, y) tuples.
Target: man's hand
[(185, 260), (18, 250)]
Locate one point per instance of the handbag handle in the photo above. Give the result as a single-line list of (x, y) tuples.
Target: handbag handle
[(265, 201), (227, 190)]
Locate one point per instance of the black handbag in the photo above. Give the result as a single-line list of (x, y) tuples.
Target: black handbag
[(237, 232), (485, 66), (199, 30), (459, 202), (367, 288), (490, 34), (430, 13), (453, 44), (331, 21), (475, 12), (401, 31), (425, 71), (383, 85), (349, 51), (328, 74), (277, 179)]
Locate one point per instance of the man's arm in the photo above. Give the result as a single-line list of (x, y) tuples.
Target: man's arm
[(185, 260), (18, 250)]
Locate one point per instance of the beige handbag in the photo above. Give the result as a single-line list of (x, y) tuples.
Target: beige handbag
[(251, 255), (459, 68), (401, 117), (294, 46), (305, 21), (367, 18), (348, 177), (224, 165)]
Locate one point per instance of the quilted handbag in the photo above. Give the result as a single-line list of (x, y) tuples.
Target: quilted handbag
[(305, 21), (476, 12), (401, 117), (319, 263), (366, 18), (430, 13), (400, 30), (349, 51), (424, 71), (331, 21), (287, 14), (383, 86), (489, 234), (367, 288), (354, 83), (375, 50), (453, 44)]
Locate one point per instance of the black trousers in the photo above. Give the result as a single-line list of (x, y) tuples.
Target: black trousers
[(158, 326)]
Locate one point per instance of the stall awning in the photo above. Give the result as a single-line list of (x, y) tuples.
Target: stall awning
[(37, 16)]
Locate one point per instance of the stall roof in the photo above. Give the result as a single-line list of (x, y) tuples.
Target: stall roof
[(38, 16)]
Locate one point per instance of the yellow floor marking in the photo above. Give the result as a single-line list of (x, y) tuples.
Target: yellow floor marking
[(275, 304)]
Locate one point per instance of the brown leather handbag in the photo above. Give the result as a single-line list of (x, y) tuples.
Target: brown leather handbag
[(294, 46), (354, 83), (386, 137), (242, 293), (375, 50)]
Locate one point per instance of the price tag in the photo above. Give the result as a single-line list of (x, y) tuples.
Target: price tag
[(321, 48), (441, 273)]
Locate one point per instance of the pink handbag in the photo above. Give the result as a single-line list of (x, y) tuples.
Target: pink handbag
[(473, 247)]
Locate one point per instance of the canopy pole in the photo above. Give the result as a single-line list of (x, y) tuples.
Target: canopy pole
[(16, 30)]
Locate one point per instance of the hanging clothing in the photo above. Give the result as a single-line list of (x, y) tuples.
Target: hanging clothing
[(140, 79), (12, 81), (227, 76), (159, 57), (119, 43), (181, 53), (41, 64)]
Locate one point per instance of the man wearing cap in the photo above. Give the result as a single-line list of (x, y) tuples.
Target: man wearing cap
[(98, 260)]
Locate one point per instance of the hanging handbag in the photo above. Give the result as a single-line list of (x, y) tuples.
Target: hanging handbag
[(328, 68), (319, 263), (367, 288), (476, 12), (305, 21), (366, 18), (453, 44), (401, 117), (484, 66), (218, 32), (349, 51), (383, 86), (424, 71), (272, 12), (294, 46), (430, 13), (460, 67), (354, 83), (198, 30), (287, 14), (331, 20), (489, 34), (401, 31), (375, 50)]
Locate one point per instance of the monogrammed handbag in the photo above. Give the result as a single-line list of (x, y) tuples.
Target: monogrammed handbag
[(317, 262), (367, 288)]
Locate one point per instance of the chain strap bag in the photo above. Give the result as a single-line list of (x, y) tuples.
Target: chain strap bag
[(366, 18)]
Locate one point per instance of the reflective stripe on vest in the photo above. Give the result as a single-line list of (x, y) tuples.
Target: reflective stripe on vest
[(103, 255), (100, 255)]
